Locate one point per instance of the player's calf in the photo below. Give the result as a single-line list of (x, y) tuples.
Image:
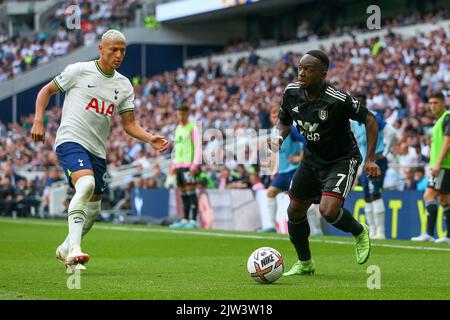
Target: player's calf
[(93, 209), (340, 218), (347, 223), (299, 230), (84, 187)]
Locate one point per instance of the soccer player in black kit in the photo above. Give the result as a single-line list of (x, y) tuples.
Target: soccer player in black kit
[(321, 113)]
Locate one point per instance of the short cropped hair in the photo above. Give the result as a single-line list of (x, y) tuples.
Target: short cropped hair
[(322, 56), (437, 95)]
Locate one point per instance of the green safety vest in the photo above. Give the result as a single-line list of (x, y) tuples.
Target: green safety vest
[(184, 146), (437, 142)]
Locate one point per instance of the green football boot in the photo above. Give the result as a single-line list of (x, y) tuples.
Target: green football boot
[(362, 245), (300, 268)]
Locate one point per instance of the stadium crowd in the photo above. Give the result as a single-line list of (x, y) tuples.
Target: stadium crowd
[(314, 28), (22, 53), (397, 74)]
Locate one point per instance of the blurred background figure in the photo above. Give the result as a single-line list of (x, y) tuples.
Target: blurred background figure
[(438, 191), (187, 158), (374, 209)]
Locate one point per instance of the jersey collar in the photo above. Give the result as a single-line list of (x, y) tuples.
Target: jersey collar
[(108, 75), (322, 92)]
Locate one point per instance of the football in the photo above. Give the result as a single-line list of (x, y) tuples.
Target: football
[(265, 265)]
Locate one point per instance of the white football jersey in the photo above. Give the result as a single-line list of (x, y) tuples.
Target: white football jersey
[(92, 97)]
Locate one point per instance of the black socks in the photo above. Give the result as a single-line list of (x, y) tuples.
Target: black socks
[(298, 233), (432, 209), (345, 222)]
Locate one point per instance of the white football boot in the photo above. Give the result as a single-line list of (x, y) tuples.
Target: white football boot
[(75, 257), (443, 240), (379, 236), (61, 253), (423, 237)]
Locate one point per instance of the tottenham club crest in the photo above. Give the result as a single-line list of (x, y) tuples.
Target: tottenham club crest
[(323, 115)]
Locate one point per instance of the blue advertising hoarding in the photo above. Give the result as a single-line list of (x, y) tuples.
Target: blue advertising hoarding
[(406, 216), (150, 202)]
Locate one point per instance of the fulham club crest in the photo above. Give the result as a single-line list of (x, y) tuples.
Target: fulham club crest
[(323, 115)]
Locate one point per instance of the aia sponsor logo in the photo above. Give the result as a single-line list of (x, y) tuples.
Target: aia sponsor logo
[(95, 105)]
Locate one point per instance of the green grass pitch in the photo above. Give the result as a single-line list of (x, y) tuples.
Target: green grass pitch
[(136, 262)]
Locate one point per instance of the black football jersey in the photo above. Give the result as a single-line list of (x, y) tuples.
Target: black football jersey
[(324, 122)]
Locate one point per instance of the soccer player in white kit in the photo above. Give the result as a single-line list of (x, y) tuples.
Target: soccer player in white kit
[(94, 92)]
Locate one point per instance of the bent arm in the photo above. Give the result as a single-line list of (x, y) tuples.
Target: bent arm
[(38, 130), (43, 98), (371, 135), (132, 127)]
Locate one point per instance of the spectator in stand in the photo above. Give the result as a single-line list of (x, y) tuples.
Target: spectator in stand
[(421, 179), (256, 182), (19, 54), (14, 178), (225, 178), (410, 181), (253, 58), (7, 196), (158, 176), (263, 116), (150, 183), (240, 178)]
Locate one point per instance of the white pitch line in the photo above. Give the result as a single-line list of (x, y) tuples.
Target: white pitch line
[(224, 235)]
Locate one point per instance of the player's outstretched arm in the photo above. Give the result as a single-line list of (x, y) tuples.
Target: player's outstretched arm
[(132, 128), (370, 166), (38, 130)]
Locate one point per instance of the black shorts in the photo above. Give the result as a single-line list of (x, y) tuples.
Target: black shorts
[(184, 177), (441, 182), (309, 184)]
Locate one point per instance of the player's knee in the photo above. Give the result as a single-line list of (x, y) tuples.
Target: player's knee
[(85, 187), (429, 195), (295, 211), (328, 211), (272, 193)]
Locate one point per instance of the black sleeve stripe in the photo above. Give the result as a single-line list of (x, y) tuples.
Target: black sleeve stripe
[(126, 110), (59, 87)]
